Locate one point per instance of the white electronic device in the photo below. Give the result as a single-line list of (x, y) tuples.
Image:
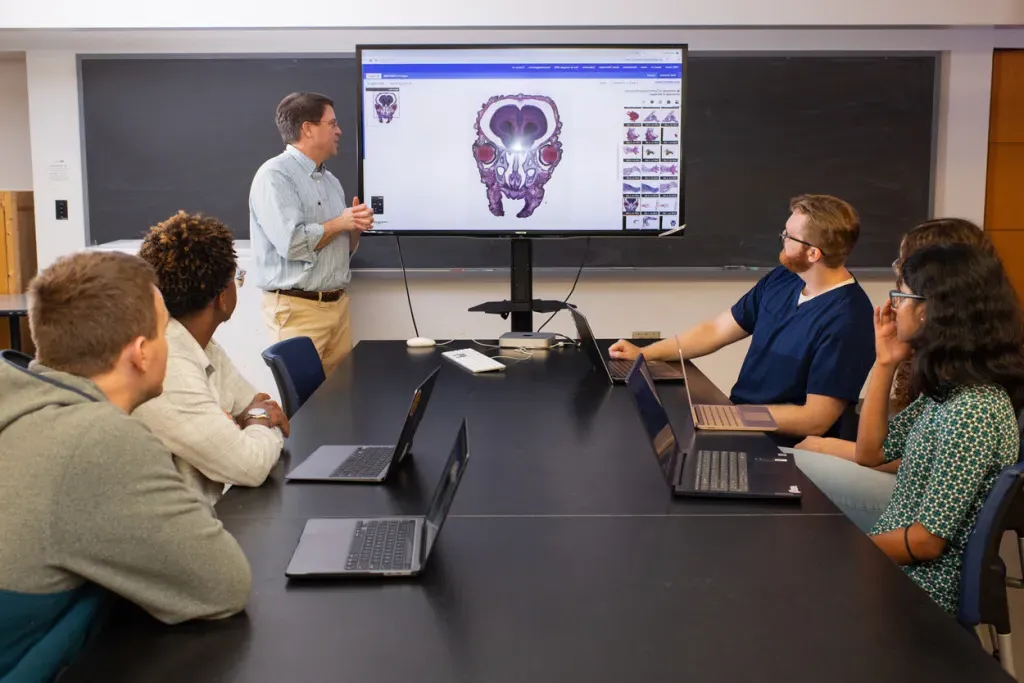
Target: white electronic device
[(526, 340), (473, 360), (420, 342)]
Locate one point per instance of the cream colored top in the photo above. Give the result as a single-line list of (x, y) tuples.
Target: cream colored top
[(191, 417)]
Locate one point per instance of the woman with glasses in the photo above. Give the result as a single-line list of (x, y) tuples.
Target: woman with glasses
[(958, 315), (863, 493)]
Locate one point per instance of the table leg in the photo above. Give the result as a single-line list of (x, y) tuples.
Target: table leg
[(14, 322)]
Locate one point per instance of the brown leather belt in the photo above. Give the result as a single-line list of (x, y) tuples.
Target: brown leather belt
[(312, 296)]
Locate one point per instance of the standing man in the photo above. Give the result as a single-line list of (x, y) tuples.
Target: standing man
[(302, 233)]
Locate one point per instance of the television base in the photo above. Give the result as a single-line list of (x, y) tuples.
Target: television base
[(522, 305)]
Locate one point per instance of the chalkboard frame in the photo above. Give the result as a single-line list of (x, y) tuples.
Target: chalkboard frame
[(500, 242)]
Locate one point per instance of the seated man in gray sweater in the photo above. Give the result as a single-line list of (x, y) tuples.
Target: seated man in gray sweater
[(90, 501)]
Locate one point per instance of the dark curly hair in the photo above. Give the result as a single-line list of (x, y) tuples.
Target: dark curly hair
[(973, 331), (194, 259), (941, 231), (935, 231)]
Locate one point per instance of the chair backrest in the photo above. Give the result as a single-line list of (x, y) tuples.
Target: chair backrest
[(16, 358), (983, 577), (297, 369), (848, 422)]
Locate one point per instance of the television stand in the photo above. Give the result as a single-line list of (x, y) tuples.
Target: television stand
[(522, 305)]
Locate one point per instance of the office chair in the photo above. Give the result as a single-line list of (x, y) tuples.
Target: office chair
[(16, 358), (983, 578), (297, 370)]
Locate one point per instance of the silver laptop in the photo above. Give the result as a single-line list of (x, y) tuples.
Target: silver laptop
[(728, 418), (387, 546), (616, 369), (366, 464)]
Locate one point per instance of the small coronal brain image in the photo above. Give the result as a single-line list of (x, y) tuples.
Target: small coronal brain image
[(517, 148), (385, 104)]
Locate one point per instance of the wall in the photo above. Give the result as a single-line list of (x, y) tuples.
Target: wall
[(616, 303), (528, 13), (15, 150)]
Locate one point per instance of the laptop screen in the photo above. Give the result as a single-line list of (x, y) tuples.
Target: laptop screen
[(444, 494), (654, 418), (416, 411), (587, 340)]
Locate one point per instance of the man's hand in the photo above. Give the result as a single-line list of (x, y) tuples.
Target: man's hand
[(354, 220), (255, 403), (623, 349), (274, 412), (358, 217)]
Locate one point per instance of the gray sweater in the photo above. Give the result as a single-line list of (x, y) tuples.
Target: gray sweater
[(90, 500)]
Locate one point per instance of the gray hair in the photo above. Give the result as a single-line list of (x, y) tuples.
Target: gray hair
[(296, 109)]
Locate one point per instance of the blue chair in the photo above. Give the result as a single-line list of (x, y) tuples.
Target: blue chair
[(297, 370), (983, 577)]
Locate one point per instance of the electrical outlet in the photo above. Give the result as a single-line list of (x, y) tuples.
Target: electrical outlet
[(647, 335)]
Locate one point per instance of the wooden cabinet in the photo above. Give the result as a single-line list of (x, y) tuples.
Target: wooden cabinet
[(17, 254), (1004, 194)]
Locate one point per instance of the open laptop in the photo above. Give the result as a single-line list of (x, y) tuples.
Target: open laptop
[(366, 464), (616, 369), (387, 546), (745, 418), (755, 470)]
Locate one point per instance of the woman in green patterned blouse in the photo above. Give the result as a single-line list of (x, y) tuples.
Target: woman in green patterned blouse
[(957, 315)]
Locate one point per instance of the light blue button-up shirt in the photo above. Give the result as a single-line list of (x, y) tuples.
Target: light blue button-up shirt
[(289, 202)]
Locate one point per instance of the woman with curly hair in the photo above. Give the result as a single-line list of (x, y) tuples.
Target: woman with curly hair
[(957, 314), (863, 493)]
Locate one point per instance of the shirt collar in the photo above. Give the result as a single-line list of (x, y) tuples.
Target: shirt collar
[(307, 164), (179, 337)]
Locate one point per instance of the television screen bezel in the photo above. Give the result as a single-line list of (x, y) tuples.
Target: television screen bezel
[(684, 47)]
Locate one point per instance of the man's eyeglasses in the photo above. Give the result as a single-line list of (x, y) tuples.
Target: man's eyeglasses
[(897, 297), (786, 236), (240, 277)]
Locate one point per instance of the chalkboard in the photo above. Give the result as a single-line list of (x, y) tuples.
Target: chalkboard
[(169, 133)]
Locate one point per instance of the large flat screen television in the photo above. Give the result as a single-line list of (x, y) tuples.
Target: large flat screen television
[(534, 140)]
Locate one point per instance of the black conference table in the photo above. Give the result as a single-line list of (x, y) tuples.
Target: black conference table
[(564, 557)]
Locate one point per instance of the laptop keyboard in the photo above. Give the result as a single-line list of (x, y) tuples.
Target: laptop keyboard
[(620, 367), (382, 544), (368, 461), (719, 416), (722, 471)]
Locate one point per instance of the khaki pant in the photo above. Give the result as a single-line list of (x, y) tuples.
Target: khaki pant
[(325, 322)]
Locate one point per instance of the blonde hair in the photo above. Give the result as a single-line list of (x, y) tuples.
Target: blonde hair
[(833, 226)]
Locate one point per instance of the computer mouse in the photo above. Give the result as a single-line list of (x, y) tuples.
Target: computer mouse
[(420, 342)]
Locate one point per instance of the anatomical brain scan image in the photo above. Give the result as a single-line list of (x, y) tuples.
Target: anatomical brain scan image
[(385, 105), (517, 149)]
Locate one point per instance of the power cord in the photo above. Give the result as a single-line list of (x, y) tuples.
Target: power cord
[(586, 252), (405, 279), (527, 353)]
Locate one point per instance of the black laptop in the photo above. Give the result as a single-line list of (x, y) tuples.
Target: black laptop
[(367, 464), (387, 546), (616, 369), (752, 468)]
